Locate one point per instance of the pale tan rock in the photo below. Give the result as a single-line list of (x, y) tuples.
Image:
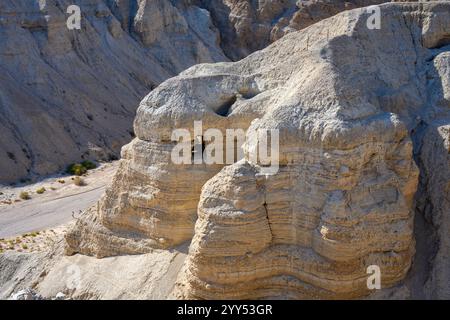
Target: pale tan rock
[(343, 198), (349, 103)]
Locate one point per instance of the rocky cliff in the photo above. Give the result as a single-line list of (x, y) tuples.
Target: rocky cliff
[(68, 95), (247, 26), (359, 113)]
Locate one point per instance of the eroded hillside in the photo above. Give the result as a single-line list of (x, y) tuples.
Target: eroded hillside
[(68, 95)]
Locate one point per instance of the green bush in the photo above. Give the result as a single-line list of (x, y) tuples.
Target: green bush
[(78, 169), (89, 165), (24, 195)]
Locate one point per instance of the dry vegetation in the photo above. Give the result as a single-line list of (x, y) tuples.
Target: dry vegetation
[(32, 241)]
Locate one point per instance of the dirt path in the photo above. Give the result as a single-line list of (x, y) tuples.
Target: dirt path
[(55, 206)]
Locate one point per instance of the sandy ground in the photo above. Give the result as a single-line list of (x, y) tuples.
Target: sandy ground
[(52, 209), (31, 247), (146, 276)]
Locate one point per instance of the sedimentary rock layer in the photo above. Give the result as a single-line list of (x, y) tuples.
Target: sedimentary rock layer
[(342, 199)]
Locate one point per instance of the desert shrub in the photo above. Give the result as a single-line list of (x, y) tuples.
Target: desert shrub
[(24, 246), (24, 195), (76, 169), (62, 181), (79, 169), (40, 190), (78, 181), (89, 165)]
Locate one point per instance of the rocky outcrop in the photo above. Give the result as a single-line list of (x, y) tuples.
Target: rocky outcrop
[(435, 160), (247, 26), (353, 106), (433, 155)]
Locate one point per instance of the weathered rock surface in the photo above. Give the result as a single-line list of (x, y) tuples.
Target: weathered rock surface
[(351, 105), (247, 26), (53, 276), (67, 94), (71, 95), (434, 160), (26, 294)]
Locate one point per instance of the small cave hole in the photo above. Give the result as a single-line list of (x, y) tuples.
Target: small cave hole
[(11, 156), (444, 41), (224, 109)]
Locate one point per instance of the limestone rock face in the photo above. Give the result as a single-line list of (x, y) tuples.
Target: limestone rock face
[(72, 94), (247, 26), (342, 199), (352, 106)]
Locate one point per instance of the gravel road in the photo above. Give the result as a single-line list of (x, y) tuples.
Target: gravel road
[(54, 208), (38, 215)]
